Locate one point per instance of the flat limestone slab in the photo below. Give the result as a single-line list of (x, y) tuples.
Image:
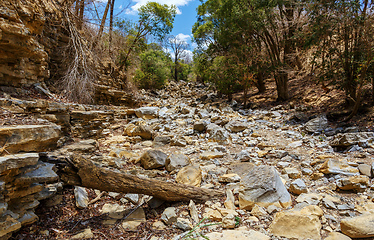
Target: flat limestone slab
[(18, 161), (29, 138)]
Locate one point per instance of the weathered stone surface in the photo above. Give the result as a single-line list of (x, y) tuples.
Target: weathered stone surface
[(176, 161), (212, 214), (169, 216), (153, 159), (217, 133), (81, 197), (365, 169), (344, 140), (236, 126), (190, 175), (237, 234), (317, 124), (8, 224), (337, 236), (263, 186), (298, 187), (228, 221), (43, 173), (134, 219), (29, 138), (333, 166), (358, 227), (229, 178), (296, 224), (211, 155), (200, 126), (147, 112), (357, 183), (18, 161), (86, 233), (184, 224)]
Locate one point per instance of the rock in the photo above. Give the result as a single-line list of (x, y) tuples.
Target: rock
[(228, 221), (81, 197), (184, 224), (153, 159), (317, 124), (147, 112), (243, 156), (178, 141), (337, 236), (8, 224), (132, 197), (358, 227), (193, 211), (29, 138), (230, 200), (142, 131), (258, 211), (86, 233), (176, 161), (237, 234), (190, 175), (365, 169), (291, 172), (159, 225), (357, 183), (203, 113), (298, 187), (295, 144), (213, 215), (134, 220), (114, 211), (217, 133), (200, 126), (333, 166), (296, 225), (310, 198), (169, 216), (236, 126), (14, 161), (162, 140), (211, 155), (229, 178), (263, 186), (344, 140), (43, 172)]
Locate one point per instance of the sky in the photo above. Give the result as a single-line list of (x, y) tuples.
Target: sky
[(183, 22)]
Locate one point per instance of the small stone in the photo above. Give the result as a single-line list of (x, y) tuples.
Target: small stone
[(213, 215), (133, 198), (147, 112), (200, 126), (184, 224), (243, 156), (291, 172), (81, 197), (258, 211), (211, 155), (193, 211), (190, 175), (230, 199), (298, 187), (169, 216), (153, 159), (357, 183), (365, 169), (229, 178), (333, 166), (134, 219), (236, 126), (159, 225), (237, 234), (328, 204), (228, 221), (176, 161), (86, 233)]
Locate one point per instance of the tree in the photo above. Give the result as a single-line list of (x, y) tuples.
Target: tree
[(154, 68), (248, 29), (179, 48), (154, 19)]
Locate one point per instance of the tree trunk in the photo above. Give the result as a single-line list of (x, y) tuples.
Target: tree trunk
[(82, 172), (176, 67), (260, 83), (101, 29), (111, 26), (81, 14), (281, 79)]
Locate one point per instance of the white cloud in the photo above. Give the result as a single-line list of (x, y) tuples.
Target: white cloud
[(183, 37), (138, 3), (120, 7)]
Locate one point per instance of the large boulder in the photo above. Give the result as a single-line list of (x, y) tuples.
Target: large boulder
[(263, 186), (29, 138), (358, 227)]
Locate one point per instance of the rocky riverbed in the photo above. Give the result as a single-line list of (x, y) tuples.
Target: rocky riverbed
[(285, 176)]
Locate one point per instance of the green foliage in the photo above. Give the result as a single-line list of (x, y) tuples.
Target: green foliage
[(194, 234), (154, 69), (184, 70)]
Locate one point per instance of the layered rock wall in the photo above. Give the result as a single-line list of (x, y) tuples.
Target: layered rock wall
[(23, 56)]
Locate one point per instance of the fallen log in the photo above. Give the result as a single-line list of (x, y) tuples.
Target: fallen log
[(82, 172)]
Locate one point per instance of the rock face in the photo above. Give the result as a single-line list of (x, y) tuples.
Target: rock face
[(262, 186), (23, 57), (358, 227), (23, 182), (29, 138)]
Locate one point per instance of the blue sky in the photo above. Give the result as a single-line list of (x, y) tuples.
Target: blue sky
[(183, 22)]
